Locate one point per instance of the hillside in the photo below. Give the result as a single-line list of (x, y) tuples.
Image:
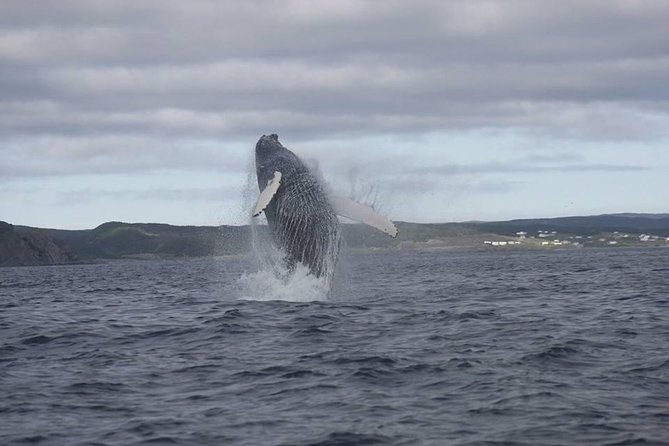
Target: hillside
[(590, 225), (36, 248), (116, 240)]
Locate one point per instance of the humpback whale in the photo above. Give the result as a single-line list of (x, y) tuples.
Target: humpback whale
[(301, 215)]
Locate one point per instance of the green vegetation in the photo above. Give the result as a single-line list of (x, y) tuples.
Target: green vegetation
[(116, 240), (34, 248)]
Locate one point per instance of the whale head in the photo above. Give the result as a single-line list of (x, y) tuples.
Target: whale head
[(268, 151), (267, 144)]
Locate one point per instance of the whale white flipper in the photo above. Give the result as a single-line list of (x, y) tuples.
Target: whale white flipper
[(364, 214), (267, 194)]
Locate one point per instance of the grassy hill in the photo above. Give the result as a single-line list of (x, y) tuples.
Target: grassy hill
[(121, 240), (116, 239), (591, 225), (35, 248)]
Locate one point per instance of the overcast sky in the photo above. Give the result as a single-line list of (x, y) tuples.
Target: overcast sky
[(438, 111)]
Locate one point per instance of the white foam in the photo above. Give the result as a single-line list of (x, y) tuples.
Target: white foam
[(271, 280), (266, 284)]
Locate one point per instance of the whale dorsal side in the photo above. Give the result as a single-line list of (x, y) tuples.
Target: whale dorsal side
[(364, 214), (267, 194)]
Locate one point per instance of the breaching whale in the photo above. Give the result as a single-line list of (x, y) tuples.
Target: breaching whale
[(302, 217)]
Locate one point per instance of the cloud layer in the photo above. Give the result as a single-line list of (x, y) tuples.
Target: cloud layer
[(130, 87), (229, 69)]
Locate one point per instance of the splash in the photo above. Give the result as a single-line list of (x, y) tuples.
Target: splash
[(300, 286), (270, 278)]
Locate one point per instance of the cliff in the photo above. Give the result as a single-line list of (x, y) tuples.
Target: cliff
[(31, 249)]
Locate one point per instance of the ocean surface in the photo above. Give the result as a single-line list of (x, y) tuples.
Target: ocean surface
[(412, 348)]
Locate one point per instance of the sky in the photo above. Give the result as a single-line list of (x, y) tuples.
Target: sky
[(433, 111)]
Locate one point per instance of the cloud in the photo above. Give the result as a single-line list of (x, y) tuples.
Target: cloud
[(324, 68), (430, 186), (107, 154), (514, 168), (183, 194), (126, 87), (554, 157)]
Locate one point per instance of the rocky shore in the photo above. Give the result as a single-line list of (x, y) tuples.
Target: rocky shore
[(31, 249)]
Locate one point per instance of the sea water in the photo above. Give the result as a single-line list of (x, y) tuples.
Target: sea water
[(433, 348)]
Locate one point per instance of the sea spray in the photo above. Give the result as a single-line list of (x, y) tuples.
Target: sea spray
[(300, 286), (272, 280), (271, 277), (303, 229)]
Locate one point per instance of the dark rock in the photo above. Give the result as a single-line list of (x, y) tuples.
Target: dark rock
[(31, 249)]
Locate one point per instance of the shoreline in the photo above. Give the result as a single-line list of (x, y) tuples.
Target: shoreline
[(148, 257)]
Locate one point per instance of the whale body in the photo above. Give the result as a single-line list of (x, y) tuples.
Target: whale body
[(302, 218)]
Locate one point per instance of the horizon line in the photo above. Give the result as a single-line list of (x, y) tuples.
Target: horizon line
[(619, 214)]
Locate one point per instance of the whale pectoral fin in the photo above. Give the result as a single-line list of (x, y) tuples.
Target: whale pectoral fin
[(267, 194), (364, 214)]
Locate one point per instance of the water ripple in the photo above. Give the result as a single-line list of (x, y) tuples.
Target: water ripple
[(412, 348)]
